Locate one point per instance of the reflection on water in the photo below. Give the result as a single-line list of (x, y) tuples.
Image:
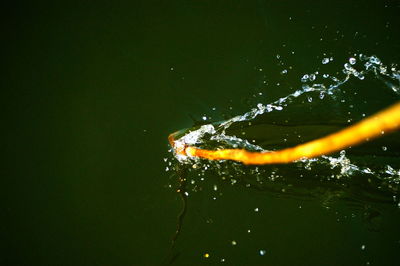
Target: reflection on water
[(361, 178)]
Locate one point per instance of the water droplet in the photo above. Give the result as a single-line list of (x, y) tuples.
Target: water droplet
[(309, 98), (352, 60), (234, 243), (204, 118), (304, 78), (384, 148), (325, 61), (206, 255), (256, 209), (363, 247), (262, 252)]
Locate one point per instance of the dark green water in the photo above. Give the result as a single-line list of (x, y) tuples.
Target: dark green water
[(91, 91)]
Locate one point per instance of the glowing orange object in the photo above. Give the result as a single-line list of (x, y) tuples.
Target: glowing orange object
[(372, 127)]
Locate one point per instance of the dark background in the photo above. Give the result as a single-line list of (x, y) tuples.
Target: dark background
[(91, 90)]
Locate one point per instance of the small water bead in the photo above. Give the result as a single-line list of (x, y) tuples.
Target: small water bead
[(352, 60), (234, 243), (256, 209), (304, 78), (362, 247), (262, 252), (325, 60), (347, 66), (384, 148)]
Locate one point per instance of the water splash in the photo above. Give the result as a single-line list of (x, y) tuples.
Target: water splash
[(315, 87)]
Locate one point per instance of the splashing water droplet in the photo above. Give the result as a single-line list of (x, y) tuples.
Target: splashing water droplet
[(325, 60), (352, 60), (304, 78)]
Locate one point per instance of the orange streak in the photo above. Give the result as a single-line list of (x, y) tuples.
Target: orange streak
[(374, 126)]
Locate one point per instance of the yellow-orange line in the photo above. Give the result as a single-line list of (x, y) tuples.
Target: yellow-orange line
[(374, 126)]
